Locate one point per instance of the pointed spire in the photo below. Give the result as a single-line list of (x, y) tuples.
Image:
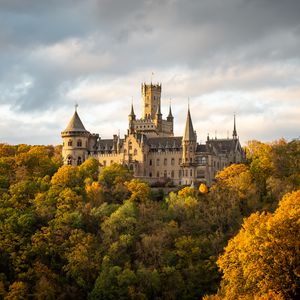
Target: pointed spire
[(189, 134), (234, 133), (132, 110), (170, 111), (75, 123)]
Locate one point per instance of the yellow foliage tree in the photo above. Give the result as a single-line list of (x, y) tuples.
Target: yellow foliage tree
[(140, 191), (203, 188), (186, 192), (264, 257)]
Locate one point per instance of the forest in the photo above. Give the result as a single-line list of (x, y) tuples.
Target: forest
[(71, 233)]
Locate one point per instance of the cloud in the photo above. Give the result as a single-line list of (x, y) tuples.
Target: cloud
[(233, 55)]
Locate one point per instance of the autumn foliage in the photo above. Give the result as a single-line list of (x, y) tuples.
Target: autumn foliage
[(73, 233)]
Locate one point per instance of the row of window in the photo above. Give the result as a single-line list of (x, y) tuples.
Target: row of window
[(70, 159), (79, 143), (180, 173), (165, 161)]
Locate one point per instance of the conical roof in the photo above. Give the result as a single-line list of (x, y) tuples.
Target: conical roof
[(75, 124), (170, 112), (189, 134)]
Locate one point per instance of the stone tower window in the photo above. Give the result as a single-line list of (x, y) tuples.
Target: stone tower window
[(157, 162), (70, 143), (150, 174), (79, 161), (165, 161), (165, 174), (69, 160), (191, 172), (79, 143), (172, 174), (172, 161), (150, 162), (157, 174)]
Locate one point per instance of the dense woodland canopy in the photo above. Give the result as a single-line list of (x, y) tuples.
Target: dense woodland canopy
[(69, 233)]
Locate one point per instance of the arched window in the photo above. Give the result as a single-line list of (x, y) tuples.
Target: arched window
[(191, 172), (150, 162), (172, 161), (79, 143), (111, 162), (69, 160), (104, 163), (203, 160), (130, 145), (157, 162), (172, 174), (165, 174), (165, 161), (79, 161), (70, 143)]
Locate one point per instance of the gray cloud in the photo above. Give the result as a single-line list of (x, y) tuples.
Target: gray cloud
[(54, 53)]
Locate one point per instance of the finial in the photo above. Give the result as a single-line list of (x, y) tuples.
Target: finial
[(188, 103), (76, 106)]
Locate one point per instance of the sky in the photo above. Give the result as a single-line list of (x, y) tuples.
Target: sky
[(226, 56)]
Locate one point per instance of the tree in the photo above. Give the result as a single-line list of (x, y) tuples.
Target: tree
[(265, 254)]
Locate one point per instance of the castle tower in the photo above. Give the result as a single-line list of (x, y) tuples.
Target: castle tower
[(151, 94), (189, 144), (158, 119), (131, 119), (75, 142), (170, 119)]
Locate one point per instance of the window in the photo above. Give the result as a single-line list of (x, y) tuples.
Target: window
[(150, 174), (104, 163), (191, 172), (78, 161), (165, 161), (172, 174), (79, 143), (157, 174), (191, 159), (165, 174), (203, 160), (150, 162), (70, 143), (157, 162), (134, 152), (179, 173), (180, 160), (111, 162), (69, 160), (130, 145), (172, 161)]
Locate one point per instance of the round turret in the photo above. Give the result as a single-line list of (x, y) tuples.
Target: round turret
[(75, 142)]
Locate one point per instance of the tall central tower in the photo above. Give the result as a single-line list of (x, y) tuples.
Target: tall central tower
[(151, 94)]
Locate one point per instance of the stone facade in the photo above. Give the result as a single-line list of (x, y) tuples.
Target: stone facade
[(150, 148)]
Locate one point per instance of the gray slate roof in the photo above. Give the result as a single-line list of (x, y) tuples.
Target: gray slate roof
[(75, 124), (189, 134)]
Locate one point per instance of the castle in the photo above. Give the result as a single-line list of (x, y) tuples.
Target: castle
[(150, 148)]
